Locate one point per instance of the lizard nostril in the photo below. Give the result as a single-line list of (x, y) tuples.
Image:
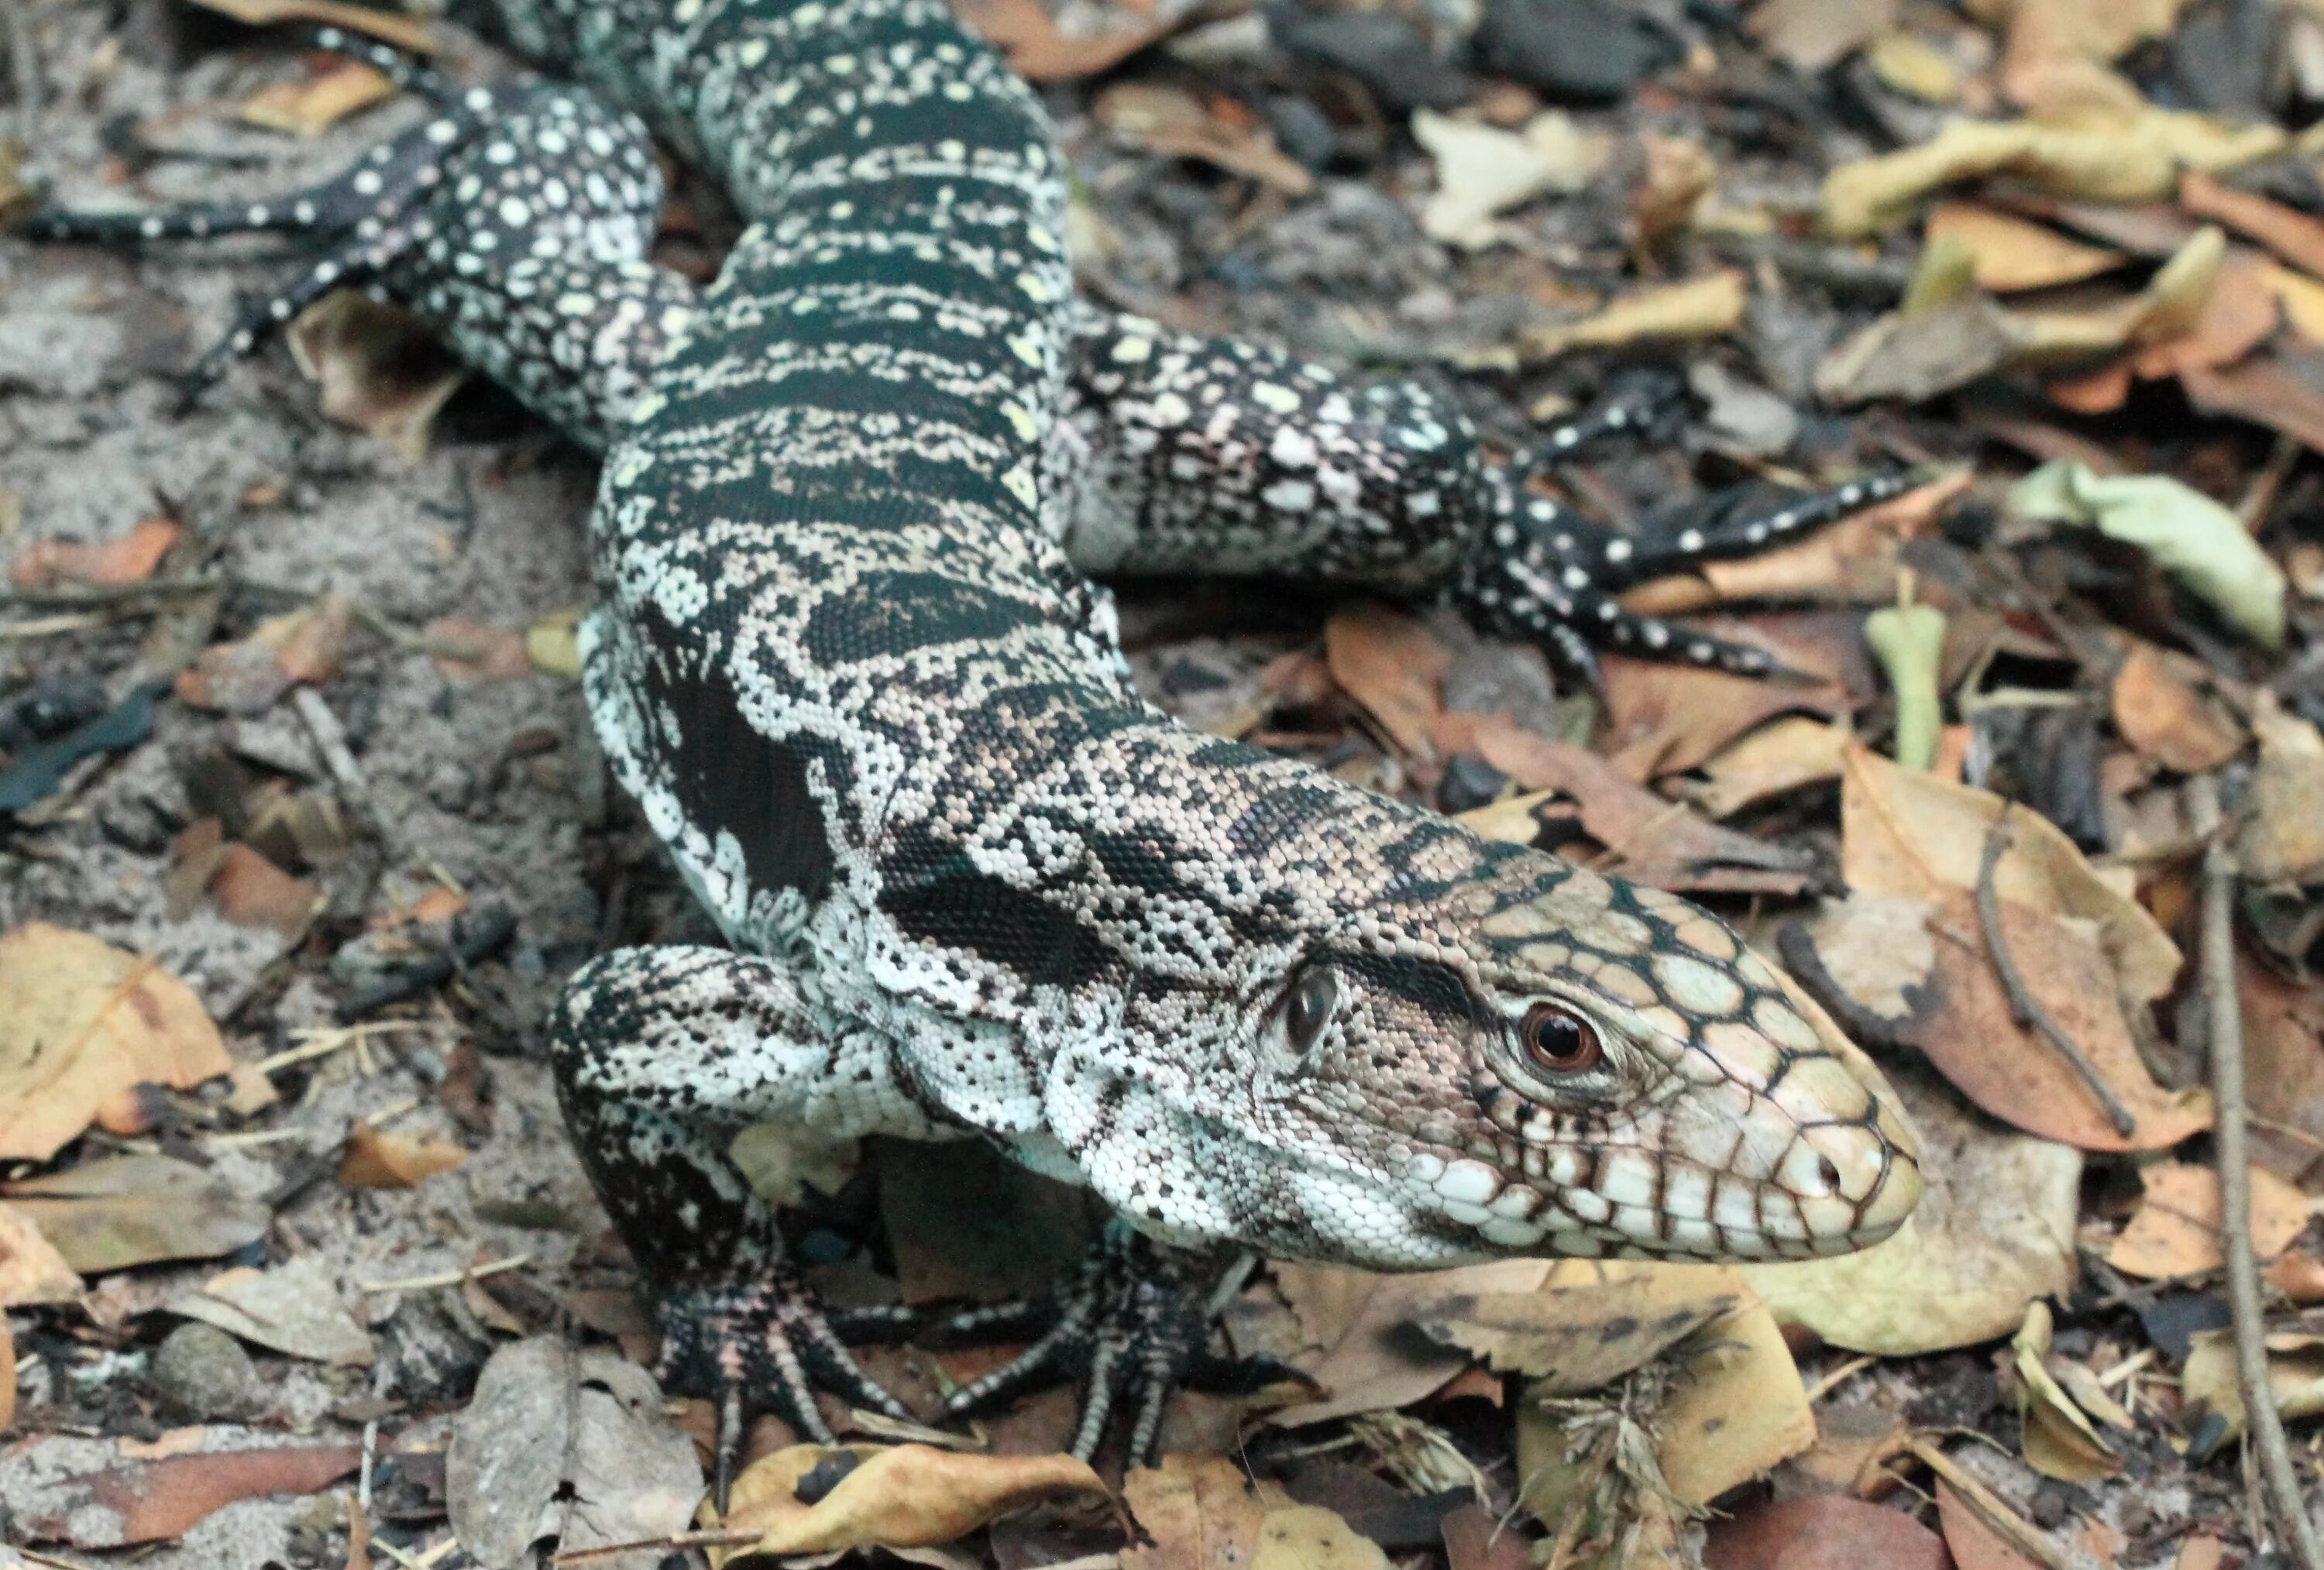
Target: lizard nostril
[(1829, 1170)]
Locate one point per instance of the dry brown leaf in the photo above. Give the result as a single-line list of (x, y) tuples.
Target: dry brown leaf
[(1815, 35), (2012, 1070), (293, 1307), (1311, 1537), (1788, 755), (2281, 839), (2237, 313), (2176, 1229), (81, 1023), (1662, 718), (125, 558), (2295, 1375), (2292, 235), (32, 1270), (1393, 667), (1854, 560), (1025, 32), (1737, 1408), (150, 1501), (251, 891), (136, 1209), (1993, 1232), (377, 1159), (2283, 1046), (1483, 171), (1974, 1545), (1357, 1329), (1700, 308), (405, 32), (7, 1376), (2126, 157), (2059, 1439), (1821, 1532), (2166, 705), (380, 369), (1661, 842), (1679, 174), (1174, 122), (470, 651), (1916, 836), (2275, 388), (1591, 1323), (313, 107), (2009, 253), (902, 1496), (1200, 1512)]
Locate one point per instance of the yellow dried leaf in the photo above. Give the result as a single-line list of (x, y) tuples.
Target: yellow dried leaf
[(311, 107), (376, 1160), (2176, 1229), (903, 1496), (1710, 307), (82, 1022), (2008, 253), (1738, 1409)]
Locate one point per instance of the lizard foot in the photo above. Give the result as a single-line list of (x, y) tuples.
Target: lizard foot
[(1129, 1325), (767, 1343)]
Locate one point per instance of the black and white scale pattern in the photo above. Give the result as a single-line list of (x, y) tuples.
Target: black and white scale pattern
[(847, 655)]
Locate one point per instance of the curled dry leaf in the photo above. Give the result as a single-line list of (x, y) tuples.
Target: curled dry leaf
[(1219, 131), (2059, 1439), (1393, 667), (1700, 309), (148, 1502), (1358, 1341), (2120, 158), (902, 1496), (32, 1270), (313, 107), (1483, 170), (1591, 1323), (2166, 706), (125, 558), (2176, 1229), (2295, 1375), (292, 1308), (405, 32), (137, 1209), (2281, 839), (572, 1447), (2190, 537), (1821, 1532), (374, 1159), (2008, 253), (81, 1023), (1993, 1232), (379, 371)]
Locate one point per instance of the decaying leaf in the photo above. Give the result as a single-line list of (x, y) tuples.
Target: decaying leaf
[(2060, 1440), (2119, 158), (379, 371), (1823, 1532), (313, 107), (1176, 123), (2175, 1232), (146, 1501), (293, 1307), (1787, 755), (375, 1158), (1198, 1512), (1393, 667), (2295, 1375), (125, 558), (1025, 32), (2009, 253), (1483, 170), (248, 674), (2166, 705), (2281, 839), (136, 1209), (569, 1446), (1993, 1232), (1357, 1329), (405, 33), (81, 1023), (1679, 176), (1737, 1408), (32, 1270), (1710, 307), (901, 1496), (470, 651), (2190, 537), (1591, 1323)]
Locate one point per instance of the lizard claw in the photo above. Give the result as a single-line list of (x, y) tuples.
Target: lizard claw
[(766, 1343), (1129, 1326)]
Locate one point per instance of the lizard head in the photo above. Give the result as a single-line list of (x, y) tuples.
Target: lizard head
[(1534, 1058)]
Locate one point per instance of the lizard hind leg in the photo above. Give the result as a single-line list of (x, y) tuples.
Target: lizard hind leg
[(661, 1057)]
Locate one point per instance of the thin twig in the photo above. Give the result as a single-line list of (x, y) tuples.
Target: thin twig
[(2022, 1007), (2229, 1140), (1990, 1506)]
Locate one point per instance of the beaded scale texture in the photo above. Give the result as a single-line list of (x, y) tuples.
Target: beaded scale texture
[(847, 655)]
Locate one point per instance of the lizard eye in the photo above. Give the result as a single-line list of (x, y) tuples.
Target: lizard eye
[(1558, 1041), (1309, 1008)]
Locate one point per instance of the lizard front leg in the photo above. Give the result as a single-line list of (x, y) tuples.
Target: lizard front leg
[(661, 1056)]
